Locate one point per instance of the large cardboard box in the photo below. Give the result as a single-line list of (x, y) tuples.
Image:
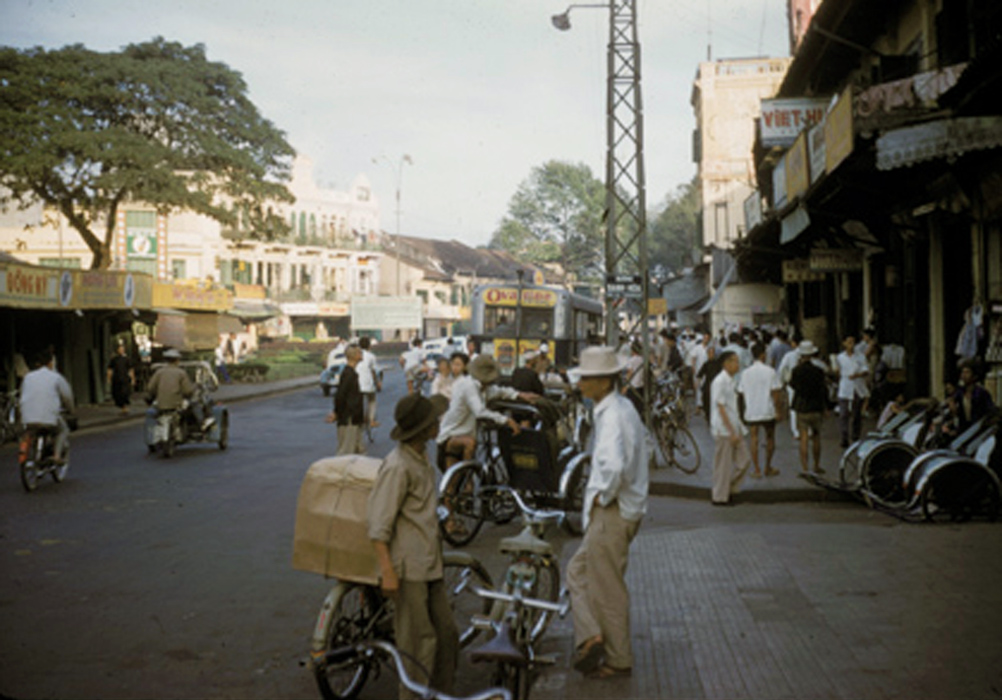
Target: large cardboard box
[(331, 535)]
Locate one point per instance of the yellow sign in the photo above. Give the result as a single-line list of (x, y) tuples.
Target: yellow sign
[(26, 286), (798, 175), (838, 131), (508, 296), (190, 296), (106, 289), (656, 306), (249, 291)]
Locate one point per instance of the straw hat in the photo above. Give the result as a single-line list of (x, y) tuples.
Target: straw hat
[(414, 413), (172, 354), (807, 348), (599, 362), (484, 369)]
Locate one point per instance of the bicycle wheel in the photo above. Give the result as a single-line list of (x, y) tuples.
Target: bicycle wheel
[(31, 447), (685, 451), (545, 585), (463, 504), (461, 571), (574, 505), (664, 436), (348, 616)]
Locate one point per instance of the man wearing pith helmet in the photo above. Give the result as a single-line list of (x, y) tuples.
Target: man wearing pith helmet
[(615, 503), (403, 527)]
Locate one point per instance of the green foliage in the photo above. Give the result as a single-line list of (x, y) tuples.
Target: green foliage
[(674, 232), (555, 216), (157, 123)]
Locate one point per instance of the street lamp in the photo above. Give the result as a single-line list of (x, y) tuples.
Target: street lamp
[(563, 20), (399, 170)]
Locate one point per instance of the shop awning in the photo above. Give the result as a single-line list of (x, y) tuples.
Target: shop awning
[(252, 310), (720, 289), (944, 138)]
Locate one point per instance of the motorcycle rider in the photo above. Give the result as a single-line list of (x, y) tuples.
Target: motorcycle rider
[(170, 386), (45, 394)]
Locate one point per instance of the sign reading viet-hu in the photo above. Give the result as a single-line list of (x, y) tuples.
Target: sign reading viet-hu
[(783, 120)]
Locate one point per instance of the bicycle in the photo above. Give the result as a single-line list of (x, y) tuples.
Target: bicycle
[(533, 568), (675, 443), (374, 652), (356, 613), (528, 462), (512, 649)]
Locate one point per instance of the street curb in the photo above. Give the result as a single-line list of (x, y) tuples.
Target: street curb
[(783, 495), (138, 417)]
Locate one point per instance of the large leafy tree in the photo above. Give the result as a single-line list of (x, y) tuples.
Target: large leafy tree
[(555, 216), (87, 132), (674, 231)]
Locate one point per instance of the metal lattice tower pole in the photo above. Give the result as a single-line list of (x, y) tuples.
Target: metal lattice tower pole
[(626, 203)]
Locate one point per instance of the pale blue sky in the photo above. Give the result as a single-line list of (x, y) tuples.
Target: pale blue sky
[(478, 92)]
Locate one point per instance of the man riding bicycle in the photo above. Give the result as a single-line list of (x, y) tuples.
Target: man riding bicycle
[(45, 395), (170, 385)]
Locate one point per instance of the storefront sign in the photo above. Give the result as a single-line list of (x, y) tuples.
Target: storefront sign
[(783, 119), (104, 289), (836, 260), (249, 291), (779, 184), (372, 313), (838, 131), (816, 151), (24, 286), (508, 296), (800, 271), (753, 210), (191, 296), (798, 177)]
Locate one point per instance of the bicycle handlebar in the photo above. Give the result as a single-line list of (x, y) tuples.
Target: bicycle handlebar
[(517, 598), (370, 647), (533, 514)]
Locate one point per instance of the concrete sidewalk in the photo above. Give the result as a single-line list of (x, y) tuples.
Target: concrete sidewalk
[(787, 486)]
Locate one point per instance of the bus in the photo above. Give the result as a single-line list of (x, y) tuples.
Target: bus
[(565, 321)]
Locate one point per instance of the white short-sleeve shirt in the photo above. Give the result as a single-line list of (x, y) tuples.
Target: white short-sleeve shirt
[(757, 384)]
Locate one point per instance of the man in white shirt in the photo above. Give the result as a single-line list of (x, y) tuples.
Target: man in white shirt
[(457, 438), (368, 381), (695, 359), (730, 454), (852, 389), (412, 362), (787, 364), (762, 389), (45, 394), (615, 503)]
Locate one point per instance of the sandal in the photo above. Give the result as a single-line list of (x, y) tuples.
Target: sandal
[(605, 672), (589, 658), (771, 472)]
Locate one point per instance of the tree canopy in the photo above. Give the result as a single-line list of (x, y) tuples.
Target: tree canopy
[(156, 123), (555, 216), (674, 232)]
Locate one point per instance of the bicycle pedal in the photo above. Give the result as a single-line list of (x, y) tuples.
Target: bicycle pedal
[(545, 660)]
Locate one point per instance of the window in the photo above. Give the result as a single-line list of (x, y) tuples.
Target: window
[(73, 263), (178, 268)]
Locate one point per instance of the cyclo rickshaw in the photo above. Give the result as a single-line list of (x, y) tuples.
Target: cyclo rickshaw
[(546, 470)]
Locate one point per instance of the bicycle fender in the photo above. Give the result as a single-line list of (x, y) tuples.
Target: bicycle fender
[(444, 481), (572, 466)]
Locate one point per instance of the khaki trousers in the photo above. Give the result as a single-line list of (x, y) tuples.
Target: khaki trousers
[(349, 440), (596, 579), (730, 463), (426, 631)]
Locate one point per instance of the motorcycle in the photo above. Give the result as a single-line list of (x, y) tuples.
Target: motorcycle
[(37, 455)]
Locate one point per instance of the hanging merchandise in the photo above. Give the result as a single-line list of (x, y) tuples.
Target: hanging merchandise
[(967, 342)]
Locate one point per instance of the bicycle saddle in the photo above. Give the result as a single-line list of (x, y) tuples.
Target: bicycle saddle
[(499, 649), (525, 541)]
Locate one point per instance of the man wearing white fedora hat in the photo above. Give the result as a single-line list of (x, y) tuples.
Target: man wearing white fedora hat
[(615, 502)]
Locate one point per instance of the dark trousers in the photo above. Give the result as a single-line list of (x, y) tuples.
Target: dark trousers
[(850, 409)]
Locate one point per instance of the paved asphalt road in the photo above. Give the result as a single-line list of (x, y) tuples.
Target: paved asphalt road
[(151, 578)]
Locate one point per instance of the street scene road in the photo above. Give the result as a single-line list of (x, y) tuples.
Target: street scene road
[(153, 578)]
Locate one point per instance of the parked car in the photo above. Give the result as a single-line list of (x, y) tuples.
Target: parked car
[(445, 346)]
